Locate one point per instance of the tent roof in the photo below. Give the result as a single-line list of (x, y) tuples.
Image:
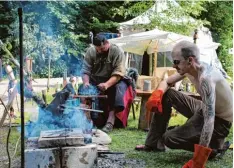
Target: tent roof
[(156, 41)]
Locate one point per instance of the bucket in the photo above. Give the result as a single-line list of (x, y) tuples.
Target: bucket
[(147, 85)]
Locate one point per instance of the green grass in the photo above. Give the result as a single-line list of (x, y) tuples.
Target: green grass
[(125, 140)]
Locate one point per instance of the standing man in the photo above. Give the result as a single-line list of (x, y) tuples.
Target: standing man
[(209, 120), (104, 67)]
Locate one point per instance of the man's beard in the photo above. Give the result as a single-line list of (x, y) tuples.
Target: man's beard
[(104, 52)]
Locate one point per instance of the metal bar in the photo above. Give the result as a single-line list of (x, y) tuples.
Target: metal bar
[(80, 108), (90, 96), (108, 152), (20, 13), (99, 111)]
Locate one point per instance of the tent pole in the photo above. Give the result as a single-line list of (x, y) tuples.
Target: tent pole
[(150, 64), (155, 59), (155, 63)]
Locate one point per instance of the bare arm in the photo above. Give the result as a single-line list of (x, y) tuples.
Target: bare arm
[(171, 80), (113, 80), (207, 90)]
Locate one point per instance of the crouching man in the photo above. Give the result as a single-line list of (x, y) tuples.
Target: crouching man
[(209, 119)]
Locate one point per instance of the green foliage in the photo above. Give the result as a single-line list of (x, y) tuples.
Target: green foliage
[(7, 18), (58, 68), (178, 18), (133, 9), (220, 16), (175, 18), (51, 27)]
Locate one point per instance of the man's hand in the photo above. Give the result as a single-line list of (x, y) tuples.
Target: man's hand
[(85, 79), (200, 157), (103, 86), (86, 84)]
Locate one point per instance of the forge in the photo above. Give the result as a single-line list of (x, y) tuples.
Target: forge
[(65, 138), (63, 148)]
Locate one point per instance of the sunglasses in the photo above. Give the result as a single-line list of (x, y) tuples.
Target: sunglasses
[(176, 62)]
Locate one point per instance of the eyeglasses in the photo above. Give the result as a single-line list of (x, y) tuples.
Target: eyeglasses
[(176, 62)]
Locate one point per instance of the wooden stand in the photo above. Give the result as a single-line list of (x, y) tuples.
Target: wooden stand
[(143, 124)]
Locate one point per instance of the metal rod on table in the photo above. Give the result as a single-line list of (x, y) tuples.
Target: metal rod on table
[(20, 13), (90, 96)]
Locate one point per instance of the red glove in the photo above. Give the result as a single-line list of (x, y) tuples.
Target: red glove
[(200, 157), (155, 100)]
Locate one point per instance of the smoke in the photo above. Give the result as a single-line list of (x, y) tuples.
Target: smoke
[(71, 117), (43, 34), (90, 90)]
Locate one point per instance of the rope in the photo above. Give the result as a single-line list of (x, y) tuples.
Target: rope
[(8, 135)]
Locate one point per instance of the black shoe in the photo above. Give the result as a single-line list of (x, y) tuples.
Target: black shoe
[(108, 127), (218, 153)]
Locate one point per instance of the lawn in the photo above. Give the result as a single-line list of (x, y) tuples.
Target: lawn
[(125, 140)]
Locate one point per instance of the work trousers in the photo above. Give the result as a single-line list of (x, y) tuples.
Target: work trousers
[(185, 136)]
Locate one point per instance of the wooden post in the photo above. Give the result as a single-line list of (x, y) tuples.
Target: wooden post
[(29, 64), (64, 79), (155, 63), (44, 96), (150, 64), (195, 36), (1, 70), (48, 81), (126, 60), (155, 59), (8, 106)]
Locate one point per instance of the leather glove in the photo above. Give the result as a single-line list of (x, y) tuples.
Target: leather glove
[(154, 101), (200, 157)]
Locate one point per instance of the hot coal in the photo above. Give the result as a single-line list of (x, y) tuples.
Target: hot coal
[(117, 161)]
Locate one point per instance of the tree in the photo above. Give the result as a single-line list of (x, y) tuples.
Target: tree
[(219, 14), (51, 27), (175, 18)]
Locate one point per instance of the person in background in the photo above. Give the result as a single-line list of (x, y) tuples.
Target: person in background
[(209, 119), (103, 67)]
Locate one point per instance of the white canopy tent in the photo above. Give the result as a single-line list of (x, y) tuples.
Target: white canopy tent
[(155, 41), (161, 41)]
